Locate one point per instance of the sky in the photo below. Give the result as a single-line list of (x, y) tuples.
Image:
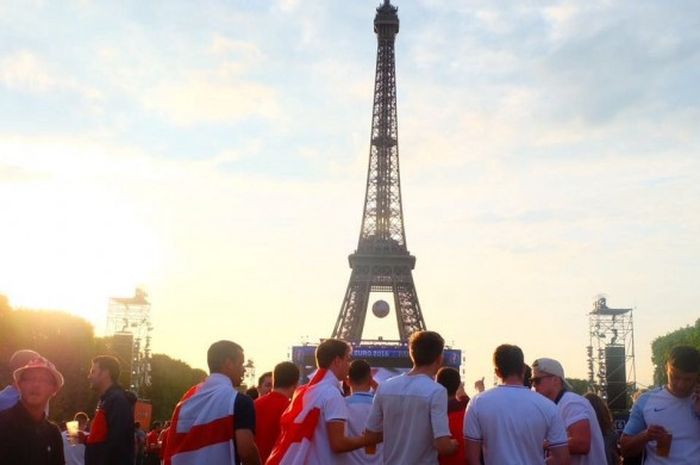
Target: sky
[(215, 153)]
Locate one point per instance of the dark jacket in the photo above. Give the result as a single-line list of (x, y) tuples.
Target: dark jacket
[(23, 441), (111, 438)]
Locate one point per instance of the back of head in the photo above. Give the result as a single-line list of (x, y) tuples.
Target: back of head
[(21, 358), (685, 359), (509, 360), (285, 375), (261, 378), (329, 350), (109, 363), (425, 347), (221, 351), (360, 373), (449, 377), (602, 412), (252, 393)]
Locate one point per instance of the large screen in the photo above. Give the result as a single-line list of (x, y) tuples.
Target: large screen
[(386, 358)]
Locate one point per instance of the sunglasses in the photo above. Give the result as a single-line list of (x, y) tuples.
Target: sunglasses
[(537, 380)]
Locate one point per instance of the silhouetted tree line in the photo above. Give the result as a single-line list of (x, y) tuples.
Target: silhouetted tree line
[(70, 343), (661, 347)]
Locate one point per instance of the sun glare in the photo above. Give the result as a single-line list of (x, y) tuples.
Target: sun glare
[(71, 248)]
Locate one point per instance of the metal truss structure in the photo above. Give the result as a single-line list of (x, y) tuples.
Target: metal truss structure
[(132, 315), (382, 262), (611, 353)]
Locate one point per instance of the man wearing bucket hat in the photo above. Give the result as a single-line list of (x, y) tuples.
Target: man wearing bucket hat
[(586, 445), (26, 436), (10, 395)]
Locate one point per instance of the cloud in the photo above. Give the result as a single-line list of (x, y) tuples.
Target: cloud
[(202, 98), (25, 71)]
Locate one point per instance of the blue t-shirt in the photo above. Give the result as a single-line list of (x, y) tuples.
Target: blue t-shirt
[(676, 415), (8, 397)]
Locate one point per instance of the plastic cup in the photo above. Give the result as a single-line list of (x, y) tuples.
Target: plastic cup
[(663, 445), (72, 428)]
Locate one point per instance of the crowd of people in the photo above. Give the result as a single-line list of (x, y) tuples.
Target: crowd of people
[(342, 416)]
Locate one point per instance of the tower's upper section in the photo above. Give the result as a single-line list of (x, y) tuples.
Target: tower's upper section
[(382, 232), (386, 19)]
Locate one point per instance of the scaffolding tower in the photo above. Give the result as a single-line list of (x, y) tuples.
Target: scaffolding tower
[(129, 318), (611, 366)]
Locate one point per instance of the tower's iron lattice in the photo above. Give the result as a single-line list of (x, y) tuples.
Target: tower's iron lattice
[(382, 262)]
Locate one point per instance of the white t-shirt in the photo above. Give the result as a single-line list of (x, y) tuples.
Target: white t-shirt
[(73, 453), (332, 405), (359, 406), (574, 408), (511, 423), (660, 407), (411, 411)]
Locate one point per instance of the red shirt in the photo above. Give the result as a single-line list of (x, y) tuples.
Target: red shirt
[(268, 410), (152, 441), (455, 416)]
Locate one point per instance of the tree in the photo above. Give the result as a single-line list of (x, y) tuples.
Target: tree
[(661, 348), (579, 386), (69, 342), (170, 379), (66, 340)]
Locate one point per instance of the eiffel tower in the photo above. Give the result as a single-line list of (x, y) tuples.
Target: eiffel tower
[(382, 262)]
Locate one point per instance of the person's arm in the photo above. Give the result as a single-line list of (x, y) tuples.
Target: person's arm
[(637, 433), (633, 445), (442, 437), (445, 445), (57, 456), (244, 430), (246, 448), (120, 424), (579, 437), (558, 456), (373, 437), (472, 452), (337, 439)]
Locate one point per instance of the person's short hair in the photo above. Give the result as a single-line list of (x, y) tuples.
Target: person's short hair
[(285, 375), (527, 376), (109, 363), (360, 372), (685, 358), (252, 393), (425, 347), (137, 425), (22, 357), (221, 351), (262, 377), (449, 377), (509, 360), (329, 350), (155, 425)]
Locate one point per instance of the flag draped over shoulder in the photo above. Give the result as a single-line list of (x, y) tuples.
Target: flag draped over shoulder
[(201, 430), (299, 421)]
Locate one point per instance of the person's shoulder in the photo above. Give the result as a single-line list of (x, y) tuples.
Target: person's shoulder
[(570, 397), (242, 401), (6, 417), (655, 393), (542, 402), (262, 400)]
